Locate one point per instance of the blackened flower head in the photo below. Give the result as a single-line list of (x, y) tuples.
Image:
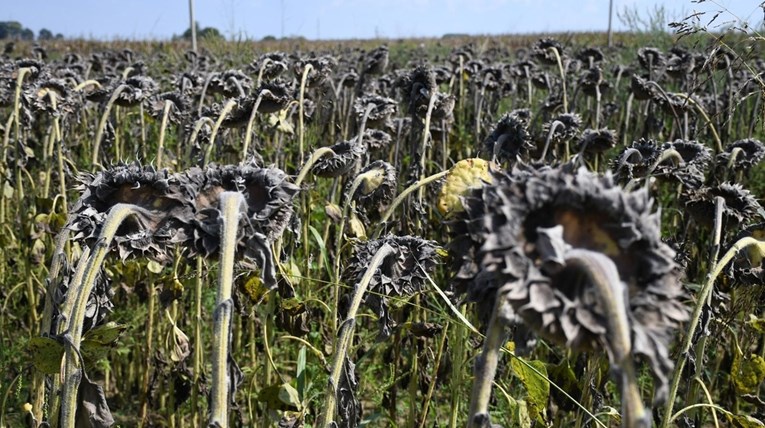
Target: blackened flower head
[(376, 61), (510, 138), (595, 141), (378, 185), (135, 90), (230, 83), (273, 97), (178, 106), (563, 127), (343, 158), (376, 139), (271, 65), (739, 207), (528, 226), (689, 169), (742, 154), (650, 58), (543, 49), (403, 273), (320, 70), (380, 109), (164, 219), (636, 160)]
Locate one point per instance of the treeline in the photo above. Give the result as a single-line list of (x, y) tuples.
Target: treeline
[(14, 30)]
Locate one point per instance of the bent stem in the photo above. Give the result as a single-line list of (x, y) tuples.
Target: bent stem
[(400, 198), (162, 129), (424, 143), (315, 156), (701, 301), (703, 114), (486, 364), (345, 335), (231, 203), (602, 273), (226, 109), (562, 76), (553, 126), (72, 375), (102, 123), (250, 121), (301, 128)]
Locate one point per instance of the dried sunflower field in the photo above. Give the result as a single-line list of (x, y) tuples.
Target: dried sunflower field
[(465, 232)]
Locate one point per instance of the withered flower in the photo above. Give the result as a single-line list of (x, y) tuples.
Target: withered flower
[(695, 160), (542, 51), (591, 82), (380, 109), (270, 65), (510, 138), (416, 88), (565, 126), (344, 157), (230, 84), (402, 273), (590, 56), (137, 89), (636, 160), (165, 216), (742, 154), (597, 140), (321, 68), (179, 106), (274, 97), (529, 229), (378, 188), (680, 63), (643, 89), (650, 58), (747, 268), (740, 205), (376, 61), (40, 96), (376, 139)]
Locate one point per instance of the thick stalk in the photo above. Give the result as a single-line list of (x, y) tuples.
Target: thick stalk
[(231, 203), (72, 375), (226, 109), (102, 124), (198, 345), (250, 121), (301, 128), (162, 129), (550, 133), (562, 76), (602, 273), (345, 335), (486, 364)]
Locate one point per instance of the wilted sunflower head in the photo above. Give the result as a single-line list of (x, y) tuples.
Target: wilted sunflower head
[(590, 55), (378, 186), (271, 64), (748, 267), (650, 58), (542, 51), (566, 126), (136, 89), (695, 161), (527, 225), (376, 139), (592, 81), (595, 141), (376, 61), (636, 160), (643, 89), (343, 158), (416, 87), (230, 83), (740, 206), (463, 177), (179, 105), (380, 109), (680, 64), (402, 273), (41, 96), (166, 209), (742, 154), (274, 96), (510, 138), (321, 68)]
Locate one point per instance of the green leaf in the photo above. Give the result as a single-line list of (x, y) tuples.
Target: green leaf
[(46, 354), (105, 334), (154, 267), (280, 397), (745, 421), (537, 388)]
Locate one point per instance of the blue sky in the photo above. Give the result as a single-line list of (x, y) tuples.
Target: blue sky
[(342, 19)]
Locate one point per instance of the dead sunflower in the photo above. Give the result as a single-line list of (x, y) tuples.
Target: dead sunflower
[(380, 109), (740, 205), (344, 157), (595, 141), (542, 51), (165, 217), (321, 68), (695, 158), (230, 83), (179, 106), (636, 160), (510, 139), (403, 273), (742, 154), (379, 188), (530, 231), (270, 65)]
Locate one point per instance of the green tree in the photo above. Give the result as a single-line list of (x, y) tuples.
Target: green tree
[(44, 34)]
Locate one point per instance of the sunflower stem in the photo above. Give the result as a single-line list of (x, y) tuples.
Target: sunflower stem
[(250, 121), (703, 113), (486, 365), (562, 76), (301, 129), (102, 124), (230, 206), (424, 145), (162, 129), (400, 198), (553, 126), (346, 333), (72, 375), (612, 293), (315, 156), (701, 301), (226, 109)]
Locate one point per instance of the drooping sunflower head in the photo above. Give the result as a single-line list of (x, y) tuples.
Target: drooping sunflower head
[(528, 225), (166, 210), (344, 157), (402, 273)]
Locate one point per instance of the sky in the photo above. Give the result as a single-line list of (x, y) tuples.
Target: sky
[(344, 19)]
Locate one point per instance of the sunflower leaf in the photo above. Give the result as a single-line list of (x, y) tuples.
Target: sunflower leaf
[(537, 388)]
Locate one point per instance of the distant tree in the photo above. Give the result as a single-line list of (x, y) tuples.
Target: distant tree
[(203, 33), (269, 38), (27, 34), (44, 34), (59, 36), (14, 30)]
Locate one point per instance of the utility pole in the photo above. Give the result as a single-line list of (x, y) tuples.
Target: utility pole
[(282, 19), (193, 26), (610, 17)]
